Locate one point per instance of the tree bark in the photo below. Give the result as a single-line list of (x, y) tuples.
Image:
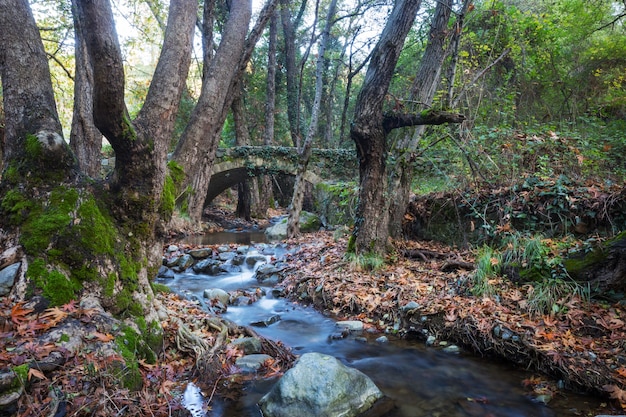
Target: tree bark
[(242, 137), (295, 208), (196, 148), (85, 138), (289, 36), (101, 239), (368, 132), (265, 182)]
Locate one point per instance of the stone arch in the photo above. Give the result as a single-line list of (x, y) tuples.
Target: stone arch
[(229, 173)]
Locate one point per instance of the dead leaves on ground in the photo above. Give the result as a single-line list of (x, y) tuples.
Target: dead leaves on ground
[(583, 342)]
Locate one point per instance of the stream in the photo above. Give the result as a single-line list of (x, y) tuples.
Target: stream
[(422, 380)]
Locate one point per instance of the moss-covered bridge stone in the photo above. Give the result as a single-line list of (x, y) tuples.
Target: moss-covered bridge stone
[(234, 165)]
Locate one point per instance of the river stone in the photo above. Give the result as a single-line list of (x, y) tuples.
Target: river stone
[(350, 325), (217, 294), (7, 278), (185, 261), (320, 386), (201, 253), (248, 345), (254, 259), (165, 272), (252, 363), (208, 266)]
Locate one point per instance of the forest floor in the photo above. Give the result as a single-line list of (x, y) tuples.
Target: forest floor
[(583, 347), (423, 289)]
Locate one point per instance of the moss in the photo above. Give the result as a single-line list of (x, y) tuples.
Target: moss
[(109, 285), (128, 130), (55, 286), (64, 338), (95, 228), (33, 147), (133, 347), (156, 287), (351, 247), (16, 206)]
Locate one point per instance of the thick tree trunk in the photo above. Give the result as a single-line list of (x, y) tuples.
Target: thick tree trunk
[(371, 223), (196, 148), (76, 237), (422, 92), (289, 36)]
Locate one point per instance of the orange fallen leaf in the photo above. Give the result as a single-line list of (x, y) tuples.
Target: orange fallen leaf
[(103, 337), (32, 372)]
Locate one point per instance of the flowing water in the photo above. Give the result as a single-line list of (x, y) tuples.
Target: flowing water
[(422, 381)]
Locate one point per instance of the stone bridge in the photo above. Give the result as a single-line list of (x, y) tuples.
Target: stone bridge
[(234, 165)]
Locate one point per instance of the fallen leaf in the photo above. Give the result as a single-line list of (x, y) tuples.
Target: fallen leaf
[(32, 372)]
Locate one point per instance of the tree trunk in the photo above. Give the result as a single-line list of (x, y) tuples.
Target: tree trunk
[(265, 182), (289, 36), (604, 268), (85, 138), (242, 137), (423, 91), (196, 148), (295, 208), (371, 223), (74, 236)]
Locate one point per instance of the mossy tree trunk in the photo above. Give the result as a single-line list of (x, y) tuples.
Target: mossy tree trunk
[(603, 268), (72, 235)]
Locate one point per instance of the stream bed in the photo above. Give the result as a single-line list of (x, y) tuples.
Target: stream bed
[(422, 380)]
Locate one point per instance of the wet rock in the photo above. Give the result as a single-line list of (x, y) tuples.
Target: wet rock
[(216, 294), (382, 339), (321, 386), (172, 248), (351, 325), (267, 322), (241, 300), (243, 249), (208, 267), (248, 345), (201, 253), (230, 268), (266, 272), (223, 248), (185, 261), (430, 340), (452, 349), (252, 260), (226, 256), (409, 307), (7, 278), (252, 363), (238, 259), (165, 272)]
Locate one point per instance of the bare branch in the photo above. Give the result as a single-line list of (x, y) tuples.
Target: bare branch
[(394, 121)]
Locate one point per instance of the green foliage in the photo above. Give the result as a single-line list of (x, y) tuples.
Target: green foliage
[(370, 261), (533, 261), (488, 264), (133, 348)]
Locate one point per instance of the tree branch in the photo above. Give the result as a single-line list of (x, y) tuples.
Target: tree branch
[(394, 121)]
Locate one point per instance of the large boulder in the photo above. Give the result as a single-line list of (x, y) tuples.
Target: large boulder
[(320, 386)]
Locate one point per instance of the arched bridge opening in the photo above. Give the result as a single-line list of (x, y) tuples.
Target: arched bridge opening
[(234, 165)]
